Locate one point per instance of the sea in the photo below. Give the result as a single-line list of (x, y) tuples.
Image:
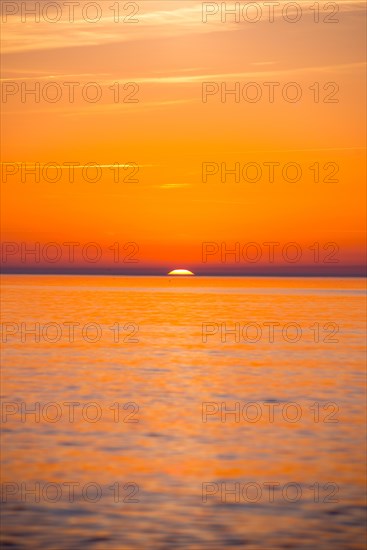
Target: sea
[(183, 412)]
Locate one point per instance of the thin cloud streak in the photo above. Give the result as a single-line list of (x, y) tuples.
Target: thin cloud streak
[(25, 37), (188, 79)]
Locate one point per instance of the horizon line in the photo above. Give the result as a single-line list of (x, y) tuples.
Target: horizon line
[(357, 272)]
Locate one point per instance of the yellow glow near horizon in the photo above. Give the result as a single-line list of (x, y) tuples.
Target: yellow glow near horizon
[(181, 272)]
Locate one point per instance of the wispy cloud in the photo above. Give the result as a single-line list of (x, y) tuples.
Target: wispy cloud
[(106, 79), (158, 23), (185, 17)]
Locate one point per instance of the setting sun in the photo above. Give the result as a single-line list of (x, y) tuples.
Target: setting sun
[(181, 272)]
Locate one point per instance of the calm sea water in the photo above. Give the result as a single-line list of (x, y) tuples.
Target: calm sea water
[(153, 452)]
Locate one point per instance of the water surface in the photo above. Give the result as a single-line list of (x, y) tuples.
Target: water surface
[(158, 371)]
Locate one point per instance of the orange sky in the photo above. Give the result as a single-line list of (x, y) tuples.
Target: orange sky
[(169, 133)]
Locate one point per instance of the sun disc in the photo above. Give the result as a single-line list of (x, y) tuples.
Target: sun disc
[(180, 272)]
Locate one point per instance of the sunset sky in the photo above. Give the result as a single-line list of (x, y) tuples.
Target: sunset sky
[(169, 212)]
